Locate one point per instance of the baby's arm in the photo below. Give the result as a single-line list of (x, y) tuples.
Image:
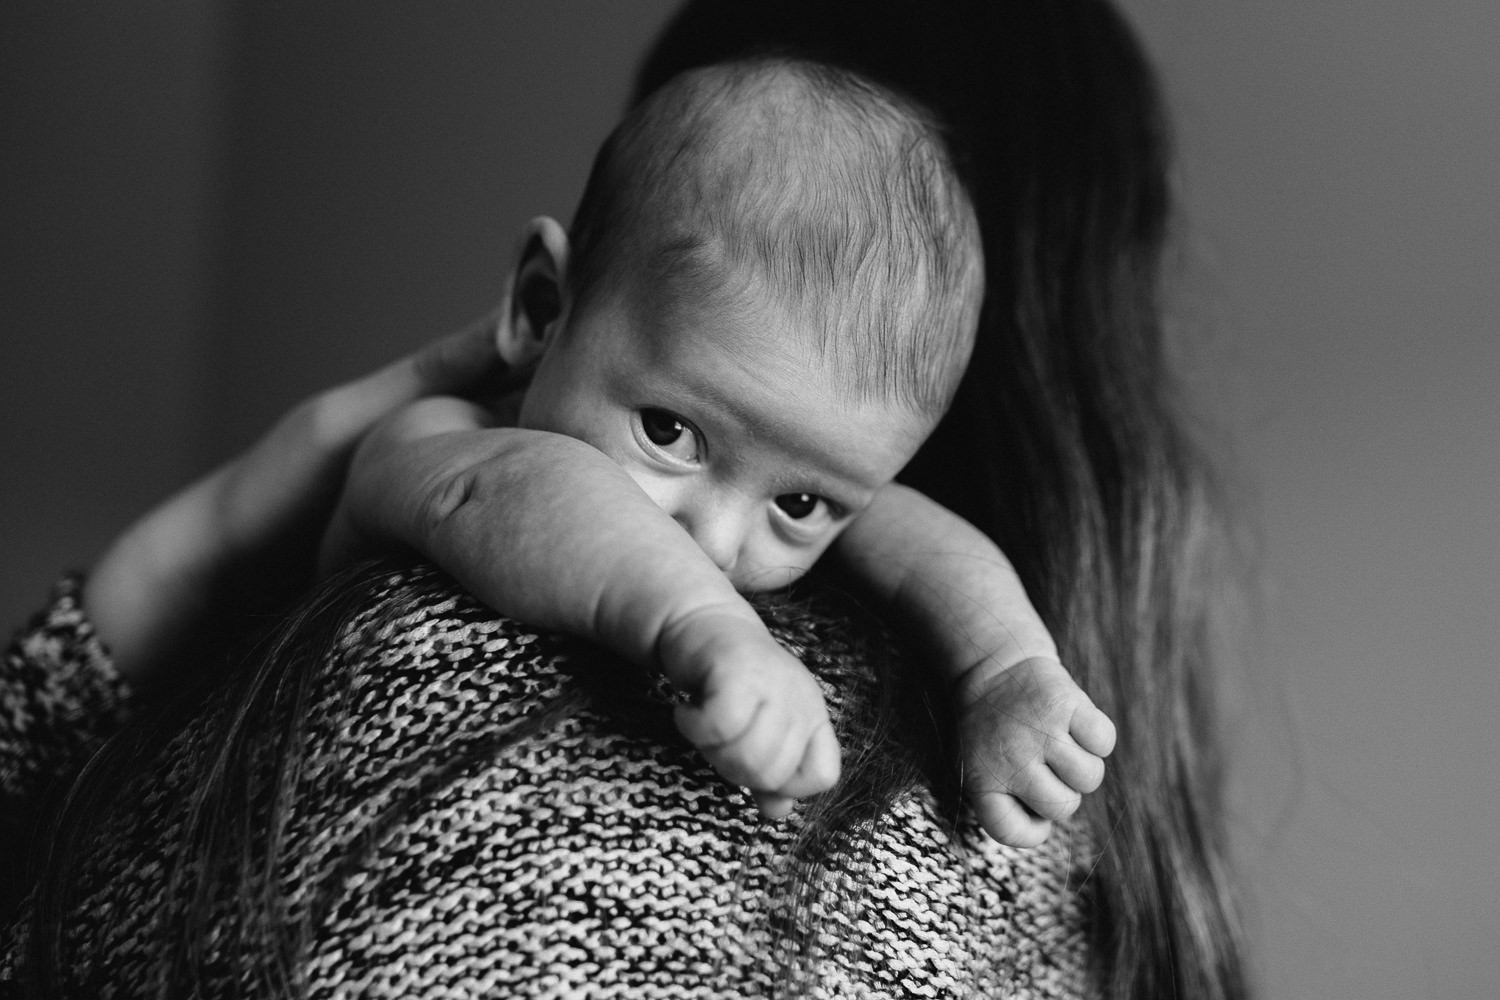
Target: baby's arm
[(549, 530), (1031, 742), (241, 538)]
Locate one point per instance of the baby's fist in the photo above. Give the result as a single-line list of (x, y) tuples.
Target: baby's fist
[(756, 714), (1032, 744)]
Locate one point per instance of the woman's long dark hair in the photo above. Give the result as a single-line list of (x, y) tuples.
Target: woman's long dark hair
[(1065, 444)]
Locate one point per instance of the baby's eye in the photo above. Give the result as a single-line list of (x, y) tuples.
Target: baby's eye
[(805, 518), (800, 506), (670, 434)]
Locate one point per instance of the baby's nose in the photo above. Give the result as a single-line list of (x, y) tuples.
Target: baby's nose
[(717, 528)]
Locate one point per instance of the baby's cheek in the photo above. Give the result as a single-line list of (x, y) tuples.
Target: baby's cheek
[(774, 564), (662, 490)]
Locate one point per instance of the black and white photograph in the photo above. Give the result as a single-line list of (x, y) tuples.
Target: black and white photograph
[(750, 498)]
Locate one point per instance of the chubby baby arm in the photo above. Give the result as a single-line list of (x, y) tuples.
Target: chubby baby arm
[(240, 539), (1031, 742), (549, 530)]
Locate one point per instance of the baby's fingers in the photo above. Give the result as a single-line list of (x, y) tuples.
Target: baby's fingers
[(774, 753), (1005, 819), (1040, 791), (1076, 767), (817, 773), (718, 722), (1093, 730), (819, 768)]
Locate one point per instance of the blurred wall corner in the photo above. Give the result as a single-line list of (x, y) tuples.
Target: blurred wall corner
[(108, 202)]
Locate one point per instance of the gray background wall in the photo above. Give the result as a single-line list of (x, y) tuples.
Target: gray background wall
[(209, 210)]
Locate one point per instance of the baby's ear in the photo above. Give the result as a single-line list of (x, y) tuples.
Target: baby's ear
[(534, 303)]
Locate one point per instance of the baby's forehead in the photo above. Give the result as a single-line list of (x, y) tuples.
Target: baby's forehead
[(773, 182), (680, 317)]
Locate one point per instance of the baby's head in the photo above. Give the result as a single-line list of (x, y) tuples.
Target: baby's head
[(765, 304)]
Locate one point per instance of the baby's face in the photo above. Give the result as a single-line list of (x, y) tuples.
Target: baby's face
[(731, 423)]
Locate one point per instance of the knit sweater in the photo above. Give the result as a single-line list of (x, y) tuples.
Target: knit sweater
[(451, 833)]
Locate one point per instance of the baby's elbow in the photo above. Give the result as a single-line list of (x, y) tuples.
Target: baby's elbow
[(445, 504)]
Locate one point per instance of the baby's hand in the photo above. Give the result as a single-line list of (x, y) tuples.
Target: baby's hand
[(1032, 745), (756, 713)]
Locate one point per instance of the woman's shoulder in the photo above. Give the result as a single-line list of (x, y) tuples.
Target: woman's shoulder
[(535, 810), (421, 653), (422, 658)]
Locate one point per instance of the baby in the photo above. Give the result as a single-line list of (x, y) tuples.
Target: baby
[(764, 306)]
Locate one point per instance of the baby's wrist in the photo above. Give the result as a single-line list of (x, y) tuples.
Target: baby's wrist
[(968, 670), (690, 643)]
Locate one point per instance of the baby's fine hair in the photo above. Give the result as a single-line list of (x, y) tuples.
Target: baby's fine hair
[(808, 186)]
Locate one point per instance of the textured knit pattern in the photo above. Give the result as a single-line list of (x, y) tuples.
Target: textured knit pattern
[(60, 696), (433, 852)]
